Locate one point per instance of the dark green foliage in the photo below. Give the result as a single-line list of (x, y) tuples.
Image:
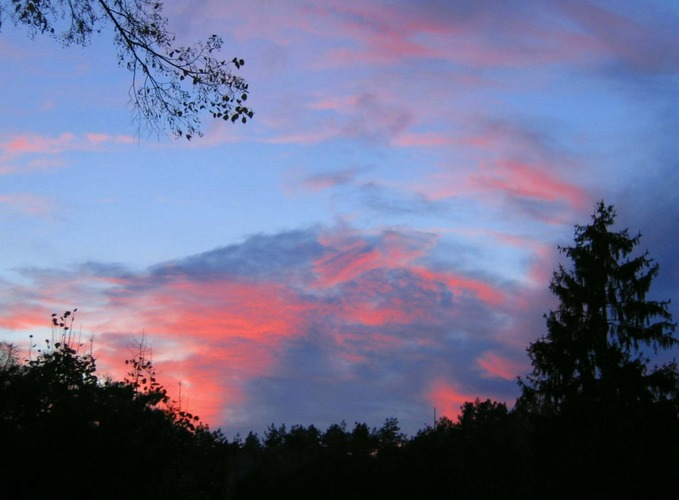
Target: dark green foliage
[(68, 433), (171, 85)]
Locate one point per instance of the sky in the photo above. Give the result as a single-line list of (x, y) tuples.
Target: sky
[(378, 241)]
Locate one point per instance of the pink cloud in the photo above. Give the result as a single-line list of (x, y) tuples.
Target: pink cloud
[(478, 36), (381, 34), (219, 309), (470, 34), (498, 366), (447, 398), (462, 284), (212, 336), (186, 368), (424, 139), (335, 103), (36, 144), (513, 161), (380, 315), (24, 317), (304, 137), (212, 398), (376, 304), (497, 36), (512, 179), (351, 261), (319, 182), (98, 138), (481, 36), (540, 273), (523, 180), (350, 255), (28, 204)]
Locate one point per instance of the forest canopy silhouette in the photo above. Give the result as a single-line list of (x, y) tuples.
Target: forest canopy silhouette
[(594, 417)]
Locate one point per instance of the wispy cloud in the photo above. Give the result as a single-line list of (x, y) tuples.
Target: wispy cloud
[(26, 204), (446, 398), (32, 151), (326, 180), (518, 180), (36, 144), (498, 366), (638, 41)]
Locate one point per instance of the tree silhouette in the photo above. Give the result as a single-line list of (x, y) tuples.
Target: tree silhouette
[(303, 462), (67, 432), (596, 350), (171, 85), (481, 414), (604, 422)]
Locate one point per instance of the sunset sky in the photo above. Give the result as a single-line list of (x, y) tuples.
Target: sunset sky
[(378, 242)]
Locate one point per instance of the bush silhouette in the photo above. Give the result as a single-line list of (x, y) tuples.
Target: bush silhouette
[(69, 433)]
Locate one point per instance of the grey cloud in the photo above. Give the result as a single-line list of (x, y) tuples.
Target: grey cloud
[(394, 203), (270, 256), (325, 180), (641, 42)]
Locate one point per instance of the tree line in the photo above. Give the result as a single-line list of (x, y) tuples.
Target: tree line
[(594, 418)]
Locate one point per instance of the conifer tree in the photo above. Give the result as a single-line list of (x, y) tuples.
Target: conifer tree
[(596, 352)]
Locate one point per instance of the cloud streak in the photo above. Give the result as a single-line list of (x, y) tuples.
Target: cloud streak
[(26, 204), (30, 152)]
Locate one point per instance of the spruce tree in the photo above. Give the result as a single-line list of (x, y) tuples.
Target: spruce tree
[(596, 352)]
